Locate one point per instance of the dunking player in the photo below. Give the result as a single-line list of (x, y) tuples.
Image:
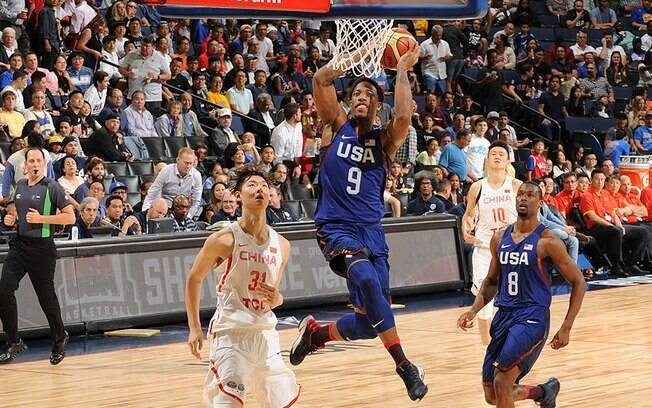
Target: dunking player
[(522, 290), (490, 208), (249, 258), (351, 180)]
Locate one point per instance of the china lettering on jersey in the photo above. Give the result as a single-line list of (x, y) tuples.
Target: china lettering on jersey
[(496, 208)]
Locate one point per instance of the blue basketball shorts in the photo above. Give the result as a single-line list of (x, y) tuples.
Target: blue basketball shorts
[(517, 337), (339, 240)]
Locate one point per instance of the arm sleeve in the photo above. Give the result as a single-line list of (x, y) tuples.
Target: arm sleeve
[(195, 210), (443, 159), (276, 143)]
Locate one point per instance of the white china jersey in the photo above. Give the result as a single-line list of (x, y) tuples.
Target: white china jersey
[(496, 209), (238, 305)]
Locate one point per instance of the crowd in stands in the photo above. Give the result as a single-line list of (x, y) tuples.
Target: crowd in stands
[(144, 118)]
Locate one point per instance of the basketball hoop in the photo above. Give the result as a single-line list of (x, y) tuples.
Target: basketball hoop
[(360, 45)]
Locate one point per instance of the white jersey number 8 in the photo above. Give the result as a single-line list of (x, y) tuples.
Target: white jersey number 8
[(512, 283), (354, 178)]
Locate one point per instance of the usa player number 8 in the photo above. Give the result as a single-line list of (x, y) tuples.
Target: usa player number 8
[(354, 178), (512, 283)]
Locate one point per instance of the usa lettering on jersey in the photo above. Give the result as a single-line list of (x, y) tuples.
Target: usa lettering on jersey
[(514, 258), (356, 153)]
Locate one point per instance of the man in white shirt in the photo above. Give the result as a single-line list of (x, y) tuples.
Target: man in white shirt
[(81, 16), (287, 139), (325, 45), (240, 98), (265, 48), (433, 55), (180, 178), (608, 47), (9, 46), (581, 47), (95, 95), (476, 151)]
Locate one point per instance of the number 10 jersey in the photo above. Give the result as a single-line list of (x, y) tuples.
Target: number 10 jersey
[(352, 176), (496, 209)]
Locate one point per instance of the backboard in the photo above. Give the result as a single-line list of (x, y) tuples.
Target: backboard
[(324, 9)]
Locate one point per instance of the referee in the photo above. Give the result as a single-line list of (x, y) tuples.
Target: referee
[(37, 200)]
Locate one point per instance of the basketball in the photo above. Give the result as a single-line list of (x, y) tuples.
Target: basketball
[(398, 43)]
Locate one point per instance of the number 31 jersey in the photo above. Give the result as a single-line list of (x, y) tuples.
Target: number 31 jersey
[(238, 304), (352, 175)]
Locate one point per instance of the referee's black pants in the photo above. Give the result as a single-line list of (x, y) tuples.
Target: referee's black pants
[(37, 258)]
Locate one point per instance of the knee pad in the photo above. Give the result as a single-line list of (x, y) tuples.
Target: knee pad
[(341, 263)]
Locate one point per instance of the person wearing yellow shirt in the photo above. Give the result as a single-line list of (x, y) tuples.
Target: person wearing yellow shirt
[(11, 120), (215, 94)]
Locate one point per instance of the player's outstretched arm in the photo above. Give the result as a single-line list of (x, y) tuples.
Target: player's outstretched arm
[(217, 248), (270, 292), (556, 250), (397, 128), (323, 90), (489, 287)]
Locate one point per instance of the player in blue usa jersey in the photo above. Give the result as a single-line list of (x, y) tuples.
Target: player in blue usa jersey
[(522, 290), (352, 174)]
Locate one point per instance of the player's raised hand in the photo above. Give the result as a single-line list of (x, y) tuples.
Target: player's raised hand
[(410, 58), (561, 339), (465, 321), (195, 342)]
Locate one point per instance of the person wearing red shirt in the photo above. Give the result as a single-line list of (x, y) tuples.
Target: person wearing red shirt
[(629, 196), (569, 197), (536, 163), (599, 210), (646, 199)]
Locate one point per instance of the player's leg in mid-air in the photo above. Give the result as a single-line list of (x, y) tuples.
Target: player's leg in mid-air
[(481, 259), (360, 255), (517, 338)]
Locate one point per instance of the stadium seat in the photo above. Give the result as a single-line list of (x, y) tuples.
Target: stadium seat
[(295, 207), (107, 185), (155, 147), (84, 143), (132, 182), (141, 168), (116, 168), (133, 198), (622, 93), (649, 93), (301, 192), (194, 141), (174, 144), (538, 7), (603, 124), (388, 211), (147, 177), (569, 35), (522, 154), (421, 102), (309, 207), (404, 198), (277, 101), (471, 73), (544, 33), (595, 34), (548, 20), (576, 124)]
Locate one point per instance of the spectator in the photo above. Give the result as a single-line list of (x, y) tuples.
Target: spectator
[(569, 197), (641, 15), (559, 227), (575, 105), (215, 94), (600, 216), (80, 75), (114, 213), (629, 202), (240, 98), (642, 135), (110, 54), (453, 159), (191, 125), (120, 189), (603, 17), (477, 34), (324, 44), (590, 164), (425, 202), (94, 172), (180, 209), (180, 178), (104, 143), (276, 212), (552, 105), (38, 113), (477, 149), (90, 41), (140, 123), (578, 17), (617, 73), (144, 189), (604, 52), (95, 95), (430, 156), (137, 224), (488, 91), (229, 210), (223, 135), (267, 158), (70, 180), (170, 124), (287, 139), (536, 163), (88, 210), (456, 39), (9, 117), (8, 46), (279, 176), (443, 194), (177, 78), (240, 44), (54, 146), (39, 83), (608, 168), (145, 70), (434, 55), (434, 110), (49, 46), (215, 201), (114, 107), (561, 166), (505, 56), (261, 113)]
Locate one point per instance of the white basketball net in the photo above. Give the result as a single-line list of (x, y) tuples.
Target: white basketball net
[(360, 46)]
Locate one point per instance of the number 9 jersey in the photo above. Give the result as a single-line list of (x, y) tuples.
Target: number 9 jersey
[(352, 175)]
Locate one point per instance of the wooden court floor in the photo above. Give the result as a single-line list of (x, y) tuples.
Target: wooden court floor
[(607, 365)]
